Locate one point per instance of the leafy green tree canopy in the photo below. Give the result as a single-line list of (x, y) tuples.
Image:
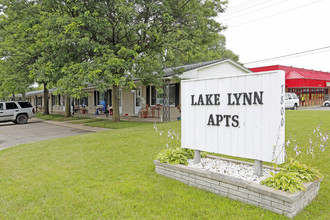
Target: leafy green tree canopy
[(111, 42)]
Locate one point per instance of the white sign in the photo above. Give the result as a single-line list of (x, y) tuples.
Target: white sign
[(328, 84), (240, 116)]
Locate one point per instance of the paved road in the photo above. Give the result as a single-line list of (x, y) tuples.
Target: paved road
[(316, 108), (38, 130)]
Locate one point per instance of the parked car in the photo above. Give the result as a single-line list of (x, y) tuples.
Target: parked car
[(16, 111), (291, 101), (326, 103)]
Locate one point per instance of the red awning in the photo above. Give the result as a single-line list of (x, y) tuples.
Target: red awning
[(298, 77), (293, 83)]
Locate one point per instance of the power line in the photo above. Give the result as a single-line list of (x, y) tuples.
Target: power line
[(296, 56), (254, 10), (246, 8), (274, 14), (234, 8), (288, 55)]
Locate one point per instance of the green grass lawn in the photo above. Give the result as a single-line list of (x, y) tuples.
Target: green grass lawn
[(110, 175)]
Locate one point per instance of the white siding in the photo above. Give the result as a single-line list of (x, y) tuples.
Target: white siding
[(192, 74), (225, 68)]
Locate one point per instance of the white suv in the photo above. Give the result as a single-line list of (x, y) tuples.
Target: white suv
[(16, 111), (291, 101)]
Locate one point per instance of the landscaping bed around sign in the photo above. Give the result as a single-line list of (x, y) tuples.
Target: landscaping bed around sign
[(295, 183), (230, 167), (286, 203)]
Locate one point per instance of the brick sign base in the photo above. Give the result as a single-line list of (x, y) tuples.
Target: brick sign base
[(277, 201)]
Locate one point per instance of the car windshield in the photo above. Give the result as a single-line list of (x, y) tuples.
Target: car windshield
[(25, 104)]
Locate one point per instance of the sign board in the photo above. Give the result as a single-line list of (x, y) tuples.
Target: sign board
[(328, 84), (240, 116)]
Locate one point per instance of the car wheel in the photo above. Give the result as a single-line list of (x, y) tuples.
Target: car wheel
[(21, 119), (327, 104)]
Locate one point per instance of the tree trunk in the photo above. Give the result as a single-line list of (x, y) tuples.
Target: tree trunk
[(115, 103), (67, 107), (13, 97), (46, 103)]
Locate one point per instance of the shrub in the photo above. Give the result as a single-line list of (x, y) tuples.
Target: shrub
[(175, 156), (293, 173), (304, 172), (292, 176), (286, 181)]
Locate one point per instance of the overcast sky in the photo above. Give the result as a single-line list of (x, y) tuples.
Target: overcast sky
[(262, 29)]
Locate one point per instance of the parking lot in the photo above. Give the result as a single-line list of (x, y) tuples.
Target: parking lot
[(36, 130)]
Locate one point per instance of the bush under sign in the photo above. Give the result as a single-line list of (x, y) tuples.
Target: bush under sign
[(238, 115)]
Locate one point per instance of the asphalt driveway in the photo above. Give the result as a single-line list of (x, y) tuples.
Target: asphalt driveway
[(37, 130)]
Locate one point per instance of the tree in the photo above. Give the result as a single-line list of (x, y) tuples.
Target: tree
[(12, 79), (18, 45), (13, 58), (130, 37), (53, 43), (65, 48), (111, 42)]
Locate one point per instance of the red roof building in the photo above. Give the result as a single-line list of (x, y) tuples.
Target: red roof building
[(310, 85)]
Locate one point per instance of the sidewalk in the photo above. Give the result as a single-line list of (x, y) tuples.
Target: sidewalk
[(316, 108), (74, 126), (122, 118)]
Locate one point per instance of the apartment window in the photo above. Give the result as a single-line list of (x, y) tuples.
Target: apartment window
[(157, 98), (84, 101), (153, 95), (56, 100), (102, 97), (96, 97), (39, 100), (172, 94), (110, 97)]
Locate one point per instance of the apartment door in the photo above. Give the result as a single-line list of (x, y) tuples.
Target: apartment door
[(137, 101)]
